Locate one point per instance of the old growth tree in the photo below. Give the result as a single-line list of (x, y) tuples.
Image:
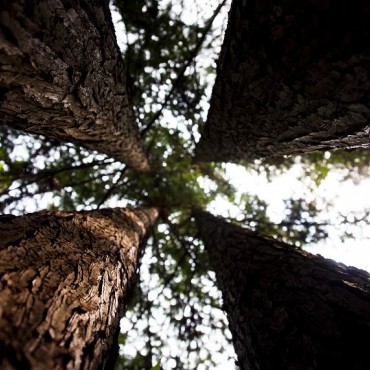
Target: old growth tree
[(62, 76), (166, 60), (293, 77), (63, 280), (287, 309)]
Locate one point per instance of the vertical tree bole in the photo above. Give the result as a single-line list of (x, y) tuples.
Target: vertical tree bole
[(288, 309), (62, 76), (293, 77), (63, 280)]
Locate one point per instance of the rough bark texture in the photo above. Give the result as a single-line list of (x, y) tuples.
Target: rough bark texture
[(288, 309), (62, 76), (63, 278), (293, 77)]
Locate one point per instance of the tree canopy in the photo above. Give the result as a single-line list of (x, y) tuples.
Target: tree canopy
[(170, 53)]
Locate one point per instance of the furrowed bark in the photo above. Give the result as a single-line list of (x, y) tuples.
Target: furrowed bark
[(62, 76), (293, 77), (63, 280), (288, 309)]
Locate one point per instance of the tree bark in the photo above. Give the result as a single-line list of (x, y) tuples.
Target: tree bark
[(63, 279), (293, 77), (288, 309), (62, 76)]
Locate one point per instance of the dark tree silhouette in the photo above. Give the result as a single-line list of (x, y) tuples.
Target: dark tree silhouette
[(287, 309), (292, 77)]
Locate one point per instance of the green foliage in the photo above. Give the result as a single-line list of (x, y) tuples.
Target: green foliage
[(160, 51), (176, 287), (157, 366), (352, 164), (33, 167), (299, 226)]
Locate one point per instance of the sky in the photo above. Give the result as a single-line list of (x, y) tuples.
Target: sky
[(345, 197)]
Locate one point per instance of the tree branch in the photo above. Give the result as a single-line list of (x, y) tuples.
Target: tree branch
[(182, 71), (112, 188)]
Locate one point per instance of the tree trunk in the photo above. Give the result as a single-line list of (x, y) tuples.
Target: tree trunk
[(288, 309), (293, 77), (62, 76), (63, 279)]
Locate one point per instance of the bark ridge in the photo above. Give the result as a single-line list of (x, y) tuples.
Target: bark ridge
[(292, 77), (62, 76), (288, 309), (63, 279)]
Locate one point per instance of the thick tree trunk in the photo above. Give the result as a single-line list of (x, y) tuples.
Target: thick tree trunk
[(63, 279), (288, 309), (62, 76), (293, 77)]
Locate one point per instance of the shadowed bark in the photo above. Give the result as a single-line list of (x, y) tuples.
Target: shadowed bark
[(62, 76), (63, 279), (293, 77), (288, 309)]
